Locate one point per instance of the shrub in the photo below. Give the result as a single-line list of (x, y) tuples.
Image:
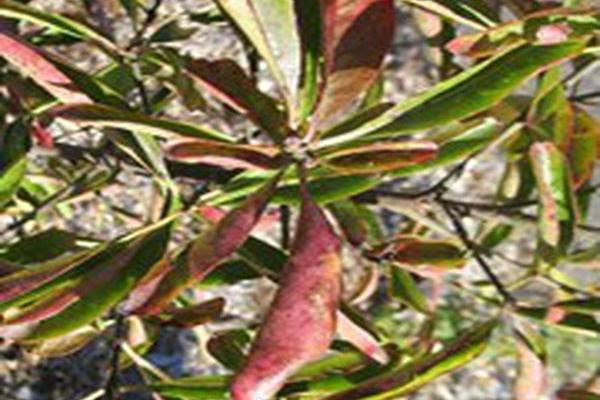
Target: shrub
[(324, 145)]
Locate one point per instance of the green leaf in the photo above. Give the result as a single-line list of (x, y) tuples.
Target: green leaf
[(102, 285), (417, 251), (107, 117), (473, 13), (228, 348), (197, 388), (403, 288), (381, 157), (19, 11), (395, 384), (470, 92), (10, 180), (272, 29), (557, 213)]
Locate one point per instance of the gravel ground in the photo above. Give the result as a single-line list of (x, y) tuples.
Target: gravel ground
[(181, 353)]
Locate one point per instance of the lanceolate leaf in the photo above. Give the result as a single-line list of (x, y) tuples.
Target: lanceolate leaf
[(381, 157), (272, 28), (356, 36), (416, 251), (224, 154), (302, 319), (10, 179), (17, 10), (33, 63), (473, 13), (584, 151), (475, 90), (557, 213), (92, 294), (107, 117), (395, 384), (207, 252), (225, 80)]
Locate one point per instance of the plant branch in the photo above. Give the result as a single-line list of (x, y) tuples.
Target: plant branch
[(474, 248), (112, 384)]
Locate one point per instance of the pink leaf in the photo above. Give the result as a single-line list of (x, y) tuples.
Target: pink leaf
[(204, 255), (301, 322), (32, 62), (357, 35)]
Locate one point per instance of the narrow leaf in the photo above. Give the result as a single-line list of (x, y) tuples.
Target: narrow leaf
[(32, 62), (208, 251), (224, 154), (381, 157), (107, 117)]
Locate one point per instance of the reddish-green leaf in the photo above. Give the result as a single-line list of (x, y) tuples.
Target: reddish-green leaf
[(225, 80), (468, 93), (272, 28), (360, 338), (584, 150), (102, 117), (205, 253), (557, 213), (302, 319), (356, 36), (188, 317), (224, 154), (416, 251), (35, 65), (398, 383), (381, 157)]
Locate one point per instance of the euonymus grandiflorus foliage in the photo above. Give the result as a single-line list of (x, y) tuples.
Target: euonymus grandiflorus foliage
[(327, 148)]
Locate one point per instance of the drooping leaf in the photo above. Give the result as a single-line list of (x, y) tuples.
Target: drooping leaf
[(584, 151), (532, 378), (10, 179), (468, 93), (228, 348), (381, 157), (557, 213), (349, 218), (205, 253), (272, 30), (361, 338), (32, 62), (102, 116), (356, 36), (224, 154), (302, 319), (403, 287), (398, 383)]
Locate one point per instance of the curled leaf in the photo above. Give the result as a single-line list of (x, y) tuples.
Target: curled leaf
[(301, 322)]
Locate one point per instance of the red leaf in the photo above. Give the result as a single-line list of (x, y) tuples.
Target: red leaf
[(41, 135), (32, 63), (357, 35), (226, 81), (224, 155), (204, 255), (302, 319)]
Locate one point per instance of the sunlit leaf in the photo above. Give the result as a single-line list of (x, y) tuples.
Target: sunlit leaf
[(381, 157), (468, 93), (35, 65), (356, 36), (102, 117), (302, 319)]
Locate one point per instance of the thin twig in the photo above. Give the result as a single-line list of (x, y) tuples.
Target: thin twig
[(112, 384), (474, 248), (285, 226)]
